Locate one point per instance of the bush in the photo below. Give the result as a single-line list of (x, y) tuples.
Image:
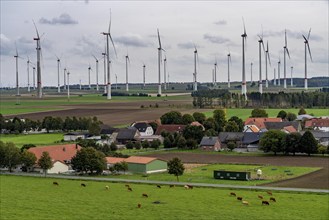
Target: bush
[(145, 144), (231, 145), (155, 144), (138, 145), (322, 149), (167, 143), (129, 145), (113, 147), (191, 144)]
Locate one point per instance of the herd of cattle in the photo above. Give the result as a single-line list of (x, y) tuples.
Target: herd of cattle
[(144, 195)]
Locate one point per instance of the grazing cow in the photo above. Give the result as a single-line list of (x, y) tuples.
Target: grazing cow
[(272, 199), (130, 189), (145, 195), (232, 194), (186, 186), (239, 198), (269, 192), (245, 202), (261, 197), (171, 186), (190, 186), (82, 184), (55, 184), (127, 186), (159, 186), (107, 187), (265, 203), (139, 205)]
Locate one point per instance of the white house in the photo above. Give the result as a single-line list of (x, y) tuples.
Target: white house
[(144, 128)]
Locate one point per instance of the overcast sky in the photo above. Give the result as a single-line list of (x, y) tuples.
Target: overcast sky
[(71, 30)]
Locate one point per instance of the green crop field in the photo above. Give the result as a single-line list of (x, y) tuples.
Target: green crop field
[(204, 174), (246, 113), (37, 198), (37, 139)]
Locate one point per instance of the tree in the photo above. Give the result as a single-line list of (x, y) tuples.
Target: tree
[(308, 143), (258, 113), (47, 123), (28, 160), (193, 132), (302, 111), (210, 132), (173, 117), (167, 143), (273, 140), (138, 145), (231, 145), (113, 147), (181, 143), (155, 144), (291, 116), (129, 145), (45, 162), (191, 144), (154, 126), (89, 160), (122, 166), (94, 128), (9, 155), (176, 167), (210, 123), (238, 121), (200, 117), (27, 146), (220, 118), (145, 144), (282, 114), (291, 143), (322, 149), (231, 126), (187, 119)]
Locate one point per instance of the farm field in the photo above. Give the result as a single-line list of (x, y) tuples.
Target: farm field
[(36, 139), (204, 174), (38, 198)]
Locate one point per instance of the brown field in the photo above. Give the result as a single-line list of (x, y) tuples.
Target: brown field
[(316, 180)]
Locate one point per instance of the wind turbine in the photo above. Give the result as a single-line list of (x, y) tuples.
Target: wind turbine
[(196, 57), (127, 60), (251, 64), (17, 85), (260, 41), (307, 47), (104, 57), (215, 73), (64, 78), (28, 74), (228, 69), (291, 82), (116, 82), (279, 78), (108, 35), (244, 85), (144, 75), (34, 78), (68, 86), (267, 56), (164, 73), (89, 69), (39, 87), (97, 88), (274, 82), (58, 63), (160, 49), (213, 77), (285, 49)]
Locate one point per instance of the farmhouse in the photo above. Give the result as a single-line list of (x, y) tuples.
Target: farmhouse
[(296, 126), (320, 124), (128, 134), (146, 165), (170, 129), (210, 144), (144, 128), (61, 156), (259, 122)]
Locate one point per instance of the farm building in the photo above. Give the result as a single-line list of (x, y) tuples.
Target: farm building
[(296, 126), (144, 128), (210, 144), (110, 161), (259, 122), (128, 134), (146, 165), (318, 124)]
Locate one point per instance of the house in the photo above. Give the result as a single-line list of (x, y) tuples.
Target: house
[(321, 136), (304, 117), (61, 155), (289, 129), (127, 134), (319, 124), (250, 141), (210, 144), (146, 164), (73, 136), (235, 137), (144, 128), (170, 128), (107, 130), (281, 125), (259, 122), (251, 128)]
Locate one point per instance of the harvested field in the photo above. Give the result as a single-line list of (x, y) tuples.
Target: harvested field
[(315, 180)]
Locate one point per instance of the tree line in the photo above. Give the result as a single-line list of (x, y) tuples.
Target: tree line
[(225, 99)]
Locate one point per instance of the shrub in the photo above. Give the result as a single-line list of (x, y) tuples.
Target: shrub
[(231, 145)]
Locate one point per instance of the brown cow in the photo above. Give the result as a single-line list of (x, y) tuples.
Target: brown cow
[(130, 189), (171, 186), (261, 197), (269, 192), (272, 199), (265, 203), (245, 202), (127, 185), (239, 198), (139, 205), (55, 184), (232, 194), (145, 195)]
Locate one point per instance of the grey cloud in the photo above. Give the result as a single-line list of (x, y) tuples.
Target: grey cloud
[(216, 39), (62, 19), (7, 46), (132, 40), (293, 34), (188, 45), (85, 46), (220, 22)]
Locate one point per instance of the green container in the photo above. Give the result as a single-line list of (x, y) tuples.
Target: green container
[(231, 175)]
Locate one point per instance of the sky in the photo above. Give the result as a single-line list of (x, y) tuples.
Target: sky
[(71, 30)]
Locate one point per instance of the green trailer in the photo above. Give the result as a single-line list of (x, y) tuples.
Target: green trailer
[(231, 175)]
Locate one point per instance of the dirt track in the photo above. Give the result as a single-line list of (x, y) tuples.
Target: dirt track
[(315, 180)]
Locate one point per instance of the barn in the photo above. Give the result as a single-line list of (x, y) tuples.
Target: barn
[(146, 165)]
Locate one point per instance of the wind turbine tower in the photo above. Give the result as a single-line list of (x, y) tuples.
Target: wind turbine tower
[(215, 73), (267, 57), (58, 85), (68, 86), (89, 69), (97, 87), (64, 78), (28, 74), (195, 69), (307, 47), (160, 49), (34, 78), (104, 57), (260, 41), (127, 60), (285, 50), (17, 85), (251, 64), (244, 85), (274, 82), (144, 76), (165, 72), (228, 70), (291, 82), (279, 78), (39, 87)]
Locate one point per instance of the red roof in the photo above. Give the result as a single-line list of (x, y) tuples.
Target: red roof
[(259, 122), (61, 153), (169, 128), (290, 129), (140, 160), (113, 160), (317, 122)]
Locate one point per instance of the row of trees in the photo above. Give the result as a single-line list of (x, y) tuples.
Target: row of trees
[(17, 125), (277, 141), (226, 99)]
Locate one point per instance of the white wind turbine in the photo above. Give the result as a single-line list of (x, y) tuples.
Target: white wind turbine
[(291, 82), (229, 61), (267, 57), (160, 49), (144, 75), (64, 87), (39, 85), (127, 60), (279, 77), (68, 86), (244, 85), (104, 57), (108, 35), (89, 69), (17, 84), (251, 64), (34, 78), (307, 47), (28, 74), (274, 81), (196, 58), (97, 87), (285, 50), (58, 64), (215, 73), (164, 73), (260, 82)]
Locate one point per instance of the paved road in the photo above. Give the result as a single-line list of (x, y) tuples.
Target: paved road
[(171, 183)]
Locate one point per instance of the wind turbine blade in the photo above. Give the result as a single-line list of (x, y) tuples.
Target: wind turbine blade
[(305, 38), (115, 51), (285, 37), (269, 59), (309, 51), (159, 39), (36, 29), (16, 49), (288, 52), (309, 32), (244, 27), (110, 21), (94, 57)]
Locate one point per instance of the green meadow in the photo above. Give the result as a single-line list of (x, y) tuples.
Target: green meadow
[(37, 139), (37, 198), (204, 174)]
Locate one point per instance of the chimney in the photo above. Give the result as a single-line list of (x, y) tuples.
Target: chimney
[(76, 146), (64, 149)]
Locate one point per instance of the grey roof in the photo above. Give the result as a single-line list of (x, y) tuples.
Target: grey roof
[(127, 133), (230, 136), (141, 126), (319, 135), (281, 125), (106, 129), (77, 133), (208, 141), (304, 117), (251, 137)]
